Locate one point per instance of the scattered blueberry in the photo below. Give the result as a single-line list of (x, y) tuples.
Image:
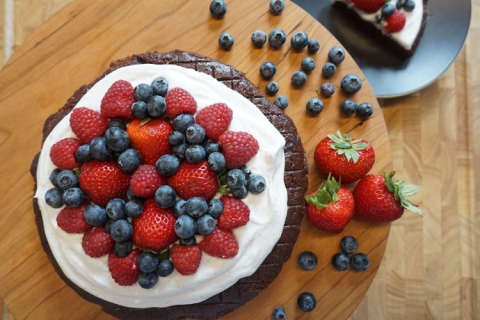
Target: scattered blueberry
[(360, 262), (308, 64), (165, 196), (185, 226), (256, 184), (409, 5), (133, 208), (341, 261), (268, 70), (183, 121), (95, 215), (299, 78), (121, 230), (307, 260), (272, 88), (205, 224), (336, 55), (122, 249), (314, 106), (327, 89), (279, 313), (216, 161), (142, 92), (299, 40), (329, 69), (215, 208), (99, 149), (195, 153), (147, 262), (351, 84), (364, 110), (277, 6), (226, 41), (348, 107), (156, 106), (116, 209), (195, 134), (196, 207), (54, 197), (164, 268), (259, 38), (117, 122), (53, 176), (67, 179), (349, 244), (179, 207), (281, 102), (313, 45), (129, 160), (117, 139), (83, 153), (306, 302), (277, 37), (147, 280), (218, 8), (167, 165), (160, 87)]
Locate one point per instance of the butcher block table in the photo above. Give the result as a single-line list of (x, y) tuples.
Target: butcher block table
[(77, 45)]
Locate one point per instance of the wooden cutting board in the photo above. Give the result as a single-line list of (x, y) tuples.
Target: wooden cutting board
[(77, 45)]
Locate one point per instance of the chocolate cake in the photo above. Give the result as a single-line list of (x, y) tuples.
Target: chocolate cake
[(295, 178)]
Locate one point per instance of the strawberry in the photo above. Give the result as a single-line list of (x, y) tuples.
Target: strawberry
[(87, 124), (71, 220), (103, 181), (235, 213), (125, 271), (238, 148), (155, 228), (396, 21), (215, 119), (62, 153), (145, 181), (186, 259), (368, 6), (179, 101), (194, 180), (221, 243), (150, 138), (347, 160), (97, 242), (380, 199), (331, 207), (117, 101)]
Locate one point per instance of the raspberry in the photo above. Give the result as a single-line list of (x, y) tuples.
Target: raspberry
[(396, 21), (221, 243), (186, 259), (179, 101), (118, 100), (87, 124), (238, 148), (215, 119), (235, 213), (71, 220), (125, 271), (97, 242), (145, 181), (368, 6), (62, 153)]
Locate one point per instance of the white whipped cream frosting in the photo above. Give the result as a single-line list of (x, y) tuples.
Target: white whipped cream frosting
[(405, 37), (256, 239)]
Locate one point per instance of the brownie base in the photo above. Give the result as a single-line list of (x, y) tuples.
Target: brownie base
[(295, 177)]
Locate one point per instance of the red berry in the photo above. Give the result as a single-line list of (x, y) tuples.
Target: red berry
[(396, 21), (125, 270), (145, 181), (97, 242), (186, 259), (194, 180), (238, 148), (221, 243), (235, 213), (71, 220), (118, 100), (215, 119), (368, 6), (179, 101), (87, 124), (62, 153)]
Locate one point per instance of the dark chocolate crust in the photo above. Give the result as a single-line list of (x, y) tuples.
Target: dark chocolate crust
[(295, 177), (384, 40)]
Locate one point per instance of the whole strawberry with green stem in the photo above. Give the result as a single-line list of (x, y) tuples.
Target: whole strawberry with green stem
[(331, 207), (379, 198), (346, 159)]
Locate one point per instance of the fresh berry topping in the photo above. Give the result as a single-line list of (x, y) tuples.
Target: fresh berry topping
[(155, 228), (97, 242), (186, 259), (125, 270), (95, 215), (179, 101), (129, 160), (299, 40), (221, 243), (215, 119), (235, 213), (142, 92), (145, 181), (165, 196), (54, 197), (71, 220), (368, 6), (226, 41), (133, 208), (73, 197), (360, 262), (307, 260), (99, 149), (148, 262), (256, 184), (103, 181), (156, 106), (121, 230), (349, 244), (67, 179), (147, 280), (167, 164), (341, 261), (116, 209), (118, 100), (395, 22), (117, 139), (185, 227), (164, 268), (238, 148), (160, 86), (83, 153), (62, 153), (306, 301), (87, 124), (122, 249), (194, 180), (150, 138), (205, 224)]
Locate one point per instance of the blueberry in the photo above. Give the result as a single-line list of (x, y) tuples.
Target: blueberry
[(341, 261), (54, 197), (272, 88), (215, 208), (299, 78), (53, 176), (108, 225), (195, 134), (314, 106), (239, 193), (167, 165), (121, 230), (188, 241), (131, 196), (95, 215), (196, 207), (67, 179), (116, 209), (387, 9), (73, 197), (147, 262), (364, 110), (179, 151), (179, 207), (409, 5), (399, 4), (306, 302), (259, 38), (329, 69), (139, 110), (117, 139), (160, 87), (82, 153), (212, 146), (256, 184), (349, 244), (164, 268), (299, 40), (313, 45), (308, 64), (147, 280), (226, 41), (185, 226), (99, 149), (122, 249), (117, 122), (277, 37), (279, 313), (277, 6), (351, 84), (216, 161), (142, 92), (176, 138), (205, 224), (218, 8), (360, 262), (307, 260), (235, 178), (327, 89), (246, 171), (165, 196), (183, 121), (348, 107), (336, 55), (195, 153), (129, 160), (156, 106), (281, 102), (133, 208), (268, 70)]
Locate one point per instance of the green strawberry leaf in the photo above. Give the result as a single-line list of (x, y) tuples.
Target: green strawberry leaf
[(326, 193), (400, 191), (344, 145)]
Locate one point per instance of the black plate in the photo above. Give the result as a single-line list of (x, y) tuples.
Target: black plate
[(389, 76)]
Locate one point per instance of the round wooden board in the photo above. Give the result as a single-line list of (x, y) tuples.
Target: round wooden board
[(77, 45)]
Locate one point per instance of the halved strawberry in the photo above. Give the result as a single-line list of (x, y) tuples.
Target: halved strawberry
[(396, 21), (117, 101), (221, 243), (194, 180), (186, 259), (125, 271)]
